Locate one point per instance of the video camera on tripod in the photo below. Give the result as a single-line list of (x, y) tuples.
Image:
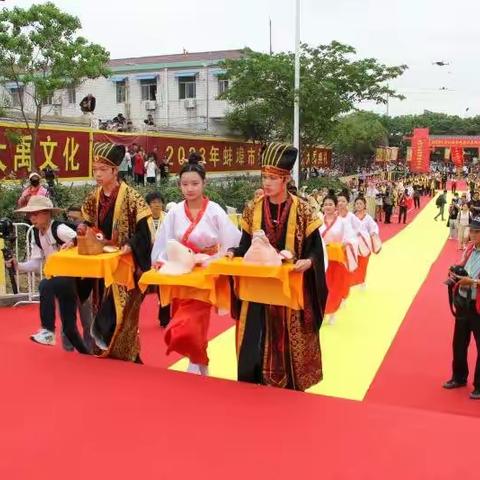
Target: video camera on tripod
[(7, 233), (50, 177)]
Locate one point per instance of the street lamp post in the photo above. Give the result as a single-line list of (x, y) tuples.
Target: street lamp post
[(296, 104)]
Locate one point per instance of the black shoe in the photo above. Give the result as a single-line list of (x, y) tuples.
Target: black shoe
[(453, 384), (475, 395)]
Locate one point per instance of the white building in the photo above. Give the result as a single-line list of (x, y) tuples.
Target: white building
[(179, 91)]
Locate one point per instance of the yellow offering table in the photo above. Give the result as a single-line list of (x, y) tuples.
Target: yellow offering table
[(263, 284), (112, 267), (199, 284)]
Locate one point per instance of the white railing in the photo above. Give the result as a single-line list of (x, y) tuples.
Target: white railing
[(24, 231)]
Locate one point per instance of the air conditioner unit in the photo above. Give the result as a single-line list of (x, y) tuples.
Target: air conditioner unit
[(150, 105), (190, 103)]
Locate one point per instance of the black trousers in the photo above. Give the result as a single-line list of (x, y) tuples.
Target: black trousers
[(388, 212), (403, 213), (416, 202), (467, 321), (62, 289)]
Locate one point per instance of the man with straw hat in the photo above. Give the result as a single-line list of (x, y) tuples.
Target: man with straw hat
[(48, 236)]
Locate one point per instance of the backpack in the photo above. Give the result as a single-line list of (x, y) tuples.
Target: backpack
[(55, 225), (439, 201)]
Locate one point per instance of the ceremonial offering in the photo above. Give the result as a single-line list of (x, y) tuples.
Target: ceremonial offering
[(90, 241), (261, 252), (180, 259)]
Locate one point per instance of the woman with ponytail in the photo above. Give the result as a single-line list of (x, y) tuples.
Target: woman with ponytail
[(338, 236), (204, 227), (368, 242)]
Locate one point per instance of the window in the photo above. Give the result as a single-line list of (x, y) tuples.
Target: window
[(47, 100), (16, 96), (222, 86), (187, 87), (149, 89), (72, 94), (121, 91)]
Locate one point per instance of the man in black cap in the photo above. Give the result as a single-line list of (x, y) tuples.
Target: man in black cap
[(124, 218), (276, 345), (467, 314)]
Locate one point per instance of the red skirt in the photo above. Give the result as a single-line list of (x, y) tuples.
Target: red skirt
[(358, 276), (187, 331), (338, 286)]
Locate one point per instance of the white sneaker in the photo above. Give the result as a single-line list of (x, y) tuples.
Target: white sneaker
[(44, 337), (203, 370), (331, 319), (193, 368)]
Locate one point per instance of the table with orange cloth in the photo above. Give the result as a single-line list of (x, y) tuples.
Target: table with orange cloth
[(200, 284), (112, 267), (263, 284)]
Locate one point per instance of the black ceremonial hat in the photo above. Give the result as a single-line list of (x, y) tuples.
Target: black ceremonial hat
[(279, 158), (108, 153)]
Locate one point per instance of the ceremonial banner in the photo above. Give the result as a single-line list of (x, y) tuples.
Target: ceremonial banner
[(65, 151), (386, 154), (409, 154), (420, 151), (457, 156), (319, 157), (220, 155)]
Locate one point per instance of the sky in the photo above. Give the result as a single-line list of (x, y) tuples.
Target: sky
[(411, 32)]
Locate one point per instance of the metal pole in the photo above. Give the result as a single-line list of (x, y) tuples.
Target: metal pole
[(207, 109), (270, 34), (167, 100), (296, 105)]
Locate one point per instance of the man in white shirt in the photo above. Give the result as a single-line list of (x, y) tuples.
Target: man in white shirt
[(48, 236)]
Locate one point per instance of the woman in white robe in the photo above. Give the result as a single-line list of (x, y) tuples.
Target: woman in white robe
[(204, 227), (368, 242), (338, 236)]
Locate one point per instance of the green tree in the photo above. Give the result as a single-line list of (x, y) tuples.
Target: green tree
[(41, 52), (332, 83), (357, 135)]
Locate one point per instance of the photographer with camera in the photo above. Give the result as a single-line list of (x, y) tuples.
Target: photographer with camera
[(464, 282), (48, 237), (34, 187)]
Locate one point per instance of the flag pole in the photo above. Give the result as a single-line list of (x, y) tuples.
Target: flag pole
[(296, 104)]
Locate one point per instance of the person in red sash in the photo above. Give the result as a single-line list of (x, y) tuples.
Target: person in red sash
[(368, 242), (204, 227), (336, 230)]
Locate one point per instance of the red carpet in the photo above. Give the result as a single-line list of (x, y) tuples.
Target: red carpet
[(388, 231), (67, 416), (419, 360)]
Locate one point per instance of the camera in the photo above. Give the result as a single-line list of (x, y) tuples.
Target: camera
[(455, 270), (7, 233), (6, 228), (49, 175)]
